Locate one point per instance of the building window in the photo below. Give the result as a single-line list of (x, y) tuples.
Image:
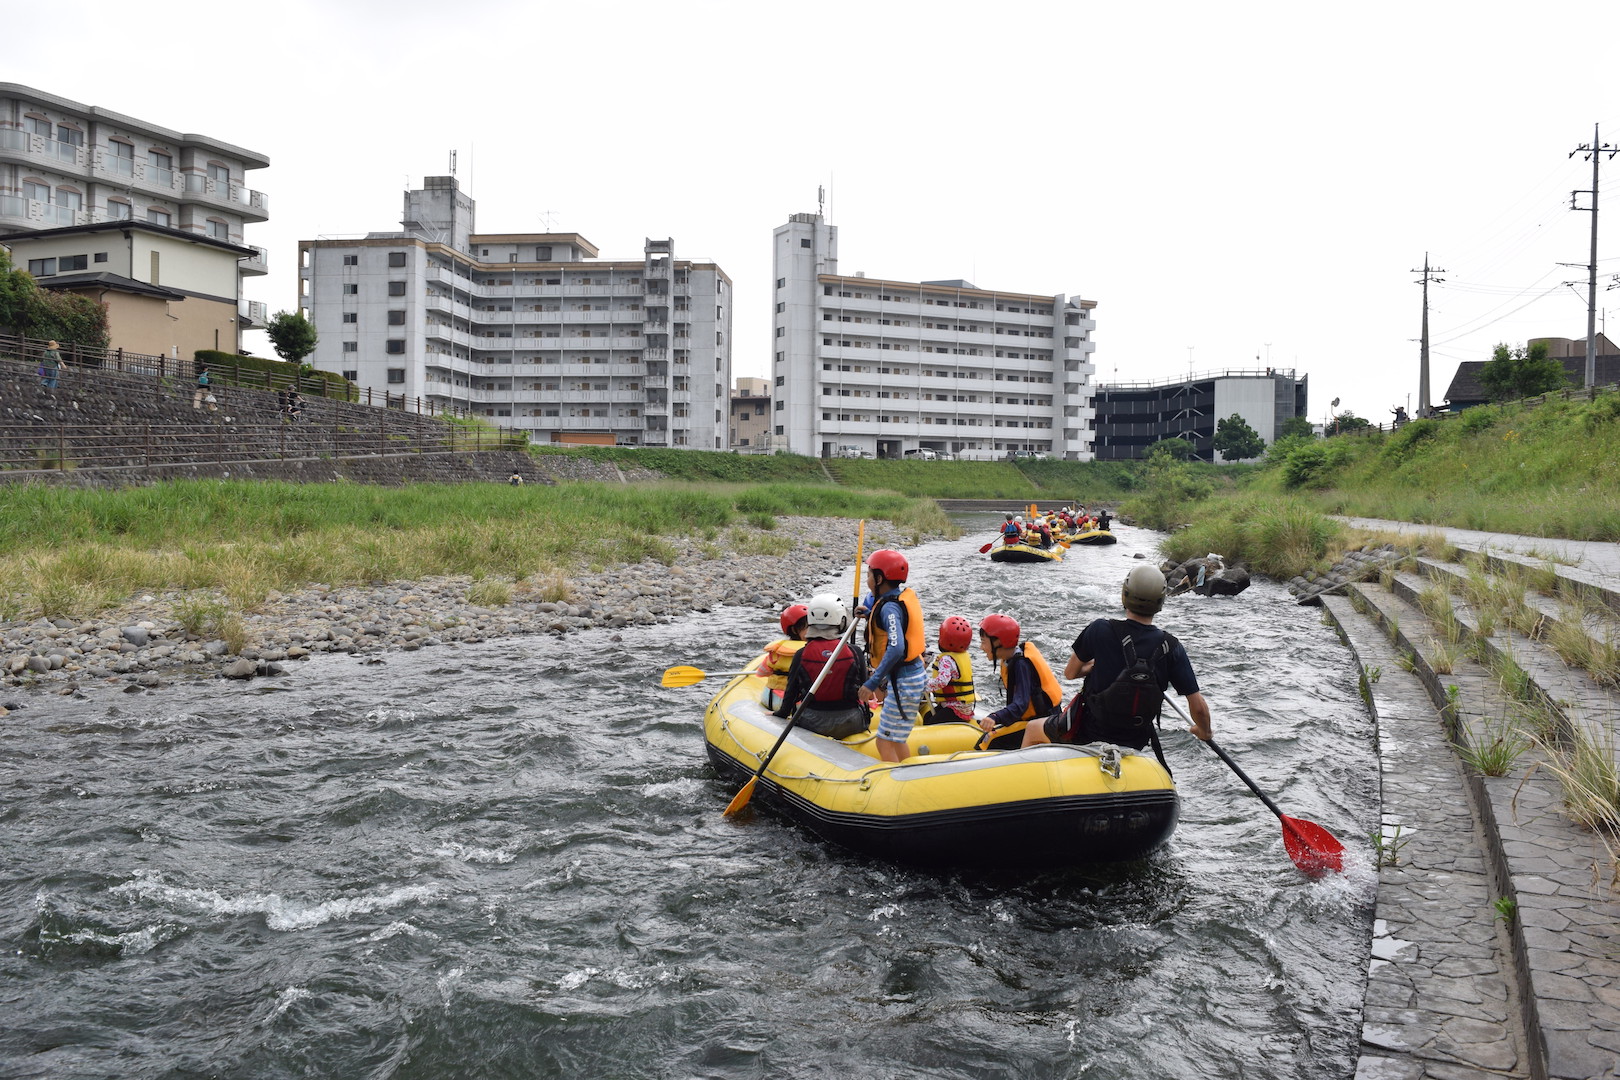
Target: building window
[(123, 157), (101, 256), (118, 211), (220, 174), (73, 262), (781, 281), (396, 318), (158, 217), (42, 267), (804, 243), (352, 376), (219, 230), (780, 331), (396, 258), (351, 288), (351, 260), (396, 346), (161, 168), (396, 288), (396, 375), (351, 346), (351, 316)]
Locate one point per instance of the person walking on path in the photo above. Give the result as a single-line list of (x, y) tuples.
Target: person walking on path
[(50, 365), (202, 392)]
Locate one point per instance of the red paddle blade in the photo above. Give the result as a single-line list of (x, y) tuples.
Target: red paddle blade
[(1314, 850)]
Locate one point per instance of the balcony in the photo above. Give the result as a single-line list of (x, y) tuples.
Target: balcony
[(46, 152), (257, 265), (252, 313), (252, 205), (40, 215)]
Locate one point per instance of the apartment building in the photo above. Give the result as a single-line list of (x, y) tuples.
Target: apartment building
[(531, 330), (1131, 417), (66, 165), (866, 365), (750, 425)]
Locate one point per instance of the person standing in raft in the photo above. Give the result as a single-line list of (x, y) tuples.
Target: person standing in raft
[(1033, 692), (950, 677), (836, 710), (1128, 664), (895, 638)]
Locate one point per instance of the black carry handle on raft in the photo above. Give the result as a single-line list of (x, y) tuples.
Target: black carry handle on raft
[(747, 792), (1314, 850)]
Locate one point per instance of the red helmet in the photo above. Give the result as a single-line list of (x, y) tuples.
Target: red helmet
[(955, 634), (890, 563), (1002, 628), (792, 615)]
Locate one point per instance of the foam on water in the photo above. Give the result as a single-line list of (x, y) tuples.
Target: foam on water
[(279, 913)]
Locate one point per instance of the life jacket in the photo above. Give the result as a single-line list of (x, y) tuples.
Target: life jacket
[(1048, 693), (877, 640), (958, 691), (1009, 531), (778, 657), (834, 690)]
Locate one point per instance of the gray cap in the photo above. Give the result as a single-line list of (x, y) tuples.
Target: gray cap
[(1143, 592)]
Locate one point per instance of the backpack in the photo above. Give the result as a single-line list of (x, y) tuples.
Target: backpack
[(1126, 710)]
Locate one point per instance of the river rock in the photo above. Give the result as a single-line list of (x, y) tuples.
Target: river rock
[(137, 636), (240, 669)]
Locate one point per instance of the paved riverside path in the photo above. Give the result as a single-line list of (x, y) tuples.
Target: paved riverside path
[(1596, 562)]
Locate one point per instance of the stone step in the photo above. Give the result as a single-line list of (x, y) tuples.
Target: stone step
[(1552, 880), (1441, 989), (1578, 704)]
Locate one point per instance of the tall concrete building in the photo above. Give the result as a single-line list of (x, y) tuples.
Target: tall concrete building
[(880, 367), (530, 330), (69, 166)]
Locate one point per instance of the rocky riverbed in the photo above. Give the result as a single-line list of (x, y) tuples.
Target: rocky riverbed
[(144, 643)]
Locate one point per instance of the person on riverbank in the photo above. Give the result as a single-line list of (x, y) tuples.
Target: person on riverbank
[(835, 710), (202, 393), (50, 365), (950, 676), (895, 639), (1033, 691), (1125, 711)]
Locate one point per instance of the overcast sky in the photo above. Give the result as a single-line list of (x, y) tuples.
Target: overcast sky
[(1235, 184)]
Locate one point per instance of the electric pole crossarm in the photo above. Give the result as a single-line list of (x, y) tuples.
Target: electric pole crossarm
[(1594, 153)]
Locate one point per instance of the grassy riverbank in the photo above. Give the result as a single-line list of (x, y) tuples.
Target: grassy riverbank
[(73, 552), (1552, 470)]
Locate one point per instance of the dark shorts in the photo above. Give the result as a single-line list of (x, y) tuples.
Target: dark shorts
[(836, 723)]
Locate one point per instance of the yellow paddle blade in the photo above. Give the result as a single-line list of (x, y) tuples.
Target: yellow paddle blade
[(684, 676), (742, 797)]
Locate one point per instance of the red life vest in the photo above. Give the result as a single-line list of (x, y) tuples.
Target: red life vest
[(833, 691)]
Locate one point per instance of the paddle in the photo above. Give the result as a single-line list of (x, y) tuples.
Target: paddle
[(1314, 850), (991, 544), (747, 792), (689, 676)]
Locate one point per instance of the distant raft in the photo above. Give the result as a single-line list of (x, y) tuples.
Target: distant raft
[(947, 804), (1093, 536), (1026, 553)]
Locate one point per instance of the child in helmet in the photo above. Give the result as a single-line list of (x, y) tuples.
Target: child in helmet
[(1033, 691), (895, 638), (836, 710), (779, 654), (950, 676)]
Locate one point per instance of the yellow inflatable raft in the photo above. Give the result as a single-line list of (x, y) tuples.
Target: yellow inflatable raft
[(948, 803), (1026, 553)]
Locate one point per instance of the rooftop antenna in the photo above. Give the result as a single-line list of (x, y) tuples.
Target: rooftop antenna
[(548, 218), (452, 163), (821, 202)]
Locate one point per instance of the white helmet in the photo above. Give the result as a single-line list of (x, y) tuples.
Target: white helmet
[(1019, 520), (829, 616)]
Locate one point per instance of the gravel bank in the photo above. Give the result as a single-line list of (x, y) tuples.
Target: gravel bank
[(143, 644)]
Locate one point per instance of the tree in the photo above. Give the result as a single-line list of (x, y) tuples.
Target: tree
[(1235, 439), (1296, 425), (1521, 372), (1347, 421), (27, 309), (292, 335), (1178, 448)]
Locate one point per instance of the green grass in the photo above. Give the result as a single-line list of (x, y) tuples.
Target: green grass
[(74, 551)]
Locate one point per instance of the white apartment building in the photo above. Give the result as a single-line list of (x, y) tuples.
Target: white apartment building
[(64, 164), (874, 366), (530, 330)]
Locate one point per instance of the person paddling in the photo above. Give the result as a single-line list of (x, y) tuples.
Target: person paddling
[(895, 638), (1032, 690), (1127, 664)]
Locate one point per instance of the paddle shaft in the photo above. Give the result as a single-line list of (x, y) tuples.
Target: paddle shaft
[(1243, 776)]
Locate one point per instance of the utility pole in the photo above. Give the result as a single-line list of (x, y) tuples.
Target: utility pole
[(1592, 152), (1428, 273)]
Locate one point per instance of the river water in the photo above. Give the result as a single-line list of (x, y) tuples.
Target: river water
[(509, 860)]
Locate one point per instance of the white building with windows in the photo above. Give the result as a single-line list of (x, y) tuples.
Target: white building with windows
[(872, 366), (530, 330), (68, 165)]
